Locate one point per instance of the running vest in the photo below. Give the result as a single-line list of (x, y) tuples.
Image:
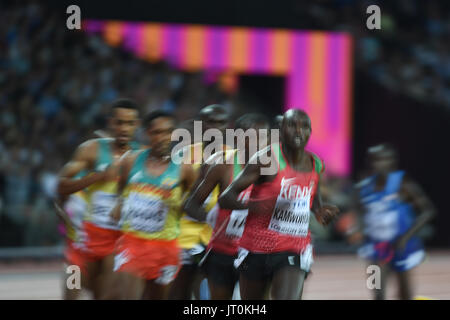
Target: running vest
[(387, 216), (192, 231), (151, 208), (102, 196), (76, 207), (229, 224), (282, 222)]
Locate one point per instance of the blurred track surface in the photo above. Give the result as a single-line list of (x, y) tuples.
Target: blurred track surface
[(337, 277)]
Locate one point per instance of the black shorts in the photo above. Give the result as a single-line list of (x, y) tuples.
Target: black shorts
[(261, 266), (219, 269)]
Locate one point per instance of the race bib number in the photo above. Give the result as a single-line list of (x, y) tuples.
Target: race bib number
[(236, 225), (291, 217), (145, 213), (102, 204), (381, 226)]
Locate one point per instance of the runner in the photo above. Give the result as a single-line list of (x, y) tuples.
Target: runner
[(275, 248), (96, 157), (151, 188), (389, 200), (228, 226), (195, 235), (71, 212)]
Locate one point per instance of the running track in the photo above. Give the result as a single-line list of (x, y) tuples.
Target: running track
[(337, 277)]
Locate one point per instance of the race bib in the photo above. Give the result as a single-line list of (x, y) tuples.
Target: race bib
[(381, 226), (76, 208), (102, 204), (145, 213), (236, 225), (291, 217)]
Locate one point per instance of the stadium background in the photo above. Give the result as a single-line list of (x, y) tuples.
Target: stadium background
[(55, 86)]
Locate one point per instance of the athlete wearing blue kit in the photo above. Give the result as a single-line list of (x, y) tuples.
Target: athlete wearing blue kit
[(387, 218), (394, 209)]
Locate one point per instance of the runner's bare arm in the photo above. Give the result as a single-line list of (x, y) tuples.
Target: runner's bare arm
[(412, 193), (83, 159), (247, 177), (188, 178), (124, 167), (325, 213), (193, 205)]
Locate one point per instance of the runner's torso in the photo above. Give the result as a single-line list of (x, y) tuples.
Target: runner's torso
[(151, 209), (387, 216), (284, 224), (102, 195)]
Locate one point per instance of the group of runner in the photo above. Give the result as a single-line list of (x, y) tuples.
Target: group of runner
[(143, 226), (140, 225)]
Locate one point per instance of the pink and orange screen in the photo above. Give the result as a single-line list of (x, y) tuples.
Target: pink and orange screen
[(316, 65)]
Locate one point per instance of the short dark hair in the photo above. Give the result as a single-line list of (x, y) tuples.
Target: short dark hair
[(157, 114), (383, 147), (249, 120), (124, 103)]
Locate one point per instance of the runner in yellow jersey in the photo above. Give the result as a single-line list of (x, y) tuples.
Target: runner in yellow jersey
[(96, 157), (195, 235), (151, 189)]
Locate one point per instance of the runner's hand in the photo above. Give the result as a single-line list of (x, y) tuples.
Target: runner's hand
[(115, 212), (326, 214)]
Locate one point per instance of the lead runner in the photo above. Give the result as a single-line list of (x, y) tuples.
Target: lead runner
[(275, 248)]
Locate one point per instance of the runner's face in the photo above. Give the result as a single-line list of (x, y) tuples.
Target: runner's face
[(123, 124), (215, 120), (159, 132), (383, 162), (296, 130)]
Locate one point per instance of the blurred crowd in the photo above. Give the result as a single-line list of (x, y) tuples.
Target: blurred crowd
[(410, 54)]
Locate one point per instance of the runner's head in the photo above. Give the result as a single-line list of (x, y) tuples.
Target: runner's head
[(159, 126), (214, 116), (124, 120), (278, 121), (383, 158), (256, 122), (295, 129)]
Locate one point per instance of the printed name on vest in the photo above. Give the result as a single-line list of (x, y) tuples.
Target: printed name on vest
[(291, 191)]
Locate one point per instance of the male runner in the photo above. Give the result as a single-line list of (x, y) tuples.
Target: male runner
[(96, 157), (228, 225), (276, 246), (388, 201), (151, 188), (194, 234), (71, 212)]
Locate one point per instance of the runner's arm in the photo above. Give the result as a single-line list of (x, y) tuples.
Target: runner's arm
[(247, 177), (82, 160), (193, 204), (413, 193), (324, 213), (124, 166)]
